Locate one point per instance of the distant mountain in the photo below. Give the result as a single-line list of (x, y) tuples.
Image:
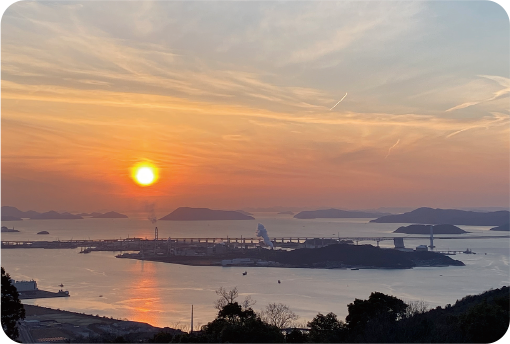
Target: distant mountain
[(10, 218), (15, 212), (109, 215), (244, 212), (202, 214), (285, 213), (503, 228), (448, 216), (53, 215), (425, 229), (335, 214)]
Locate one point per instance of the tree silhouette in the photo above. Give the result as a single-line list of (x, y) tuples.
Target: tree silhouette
[(378, 307), (12, 309)]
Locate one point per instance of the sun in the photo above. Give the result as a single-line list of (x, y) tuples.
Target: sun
[(144, 173)]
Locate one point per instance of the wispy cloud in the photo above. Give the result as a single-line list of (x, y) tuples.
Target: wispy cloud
[(505, 82), (389, 150)]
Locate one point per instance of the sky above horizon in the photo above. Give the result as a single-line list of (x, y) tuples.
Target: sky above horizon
[(234, 102)]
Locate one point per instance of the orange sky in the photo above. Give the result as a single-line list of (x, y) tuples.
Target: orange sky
[(236, 113)]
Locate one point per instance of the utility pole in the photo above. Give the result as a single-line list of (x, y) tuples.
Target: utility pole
[(191, 319)]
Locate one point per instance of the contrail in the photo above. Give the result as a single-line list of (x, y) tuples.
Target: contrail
[(338, 101), (389, 150)]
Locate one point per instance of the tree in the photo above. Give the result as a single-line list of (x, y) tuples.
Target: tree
[(296, 336), (379, 307), (237, 325), (229, 296), (279, 315), (326, 328), (416, 307), (485, 322), (12, 309)]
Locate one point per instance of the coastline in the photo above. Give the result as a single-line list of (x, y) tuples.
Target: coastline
[(47, 324)]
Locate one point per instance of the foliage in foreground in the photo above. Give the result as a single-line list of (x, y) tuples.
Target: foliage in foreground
[(12, 309)]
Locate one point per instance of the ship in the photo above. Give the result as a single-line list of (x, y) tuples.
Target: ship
[(9, 230)]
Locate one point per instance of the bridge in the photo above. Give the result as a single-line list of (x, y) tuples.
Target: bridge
[(139, 243)]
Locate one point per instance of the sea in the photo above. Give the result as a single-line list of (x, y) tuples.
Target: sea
[(163, 294)]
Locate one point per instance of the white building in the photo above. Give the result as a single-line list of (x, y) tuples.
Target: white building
[(25, 285)]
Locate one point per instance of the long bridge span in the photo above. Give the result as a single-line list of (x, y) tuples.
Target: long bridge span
[(127, 243)]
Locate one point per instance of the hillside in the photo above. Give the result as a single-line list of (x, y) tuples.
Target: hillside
[(448, 216), (204, 214)]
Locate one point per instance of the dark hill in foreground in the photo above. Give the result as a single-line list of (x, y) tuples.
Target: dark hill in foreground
[(335, 214), (425, 229), (448, 216), (204, 214)]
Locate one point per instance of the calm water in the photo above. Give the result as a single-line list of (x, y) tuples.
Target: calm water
[(161, 294)]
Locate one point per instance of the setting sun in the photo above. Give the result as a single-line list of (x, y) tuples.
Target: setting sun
[(145, 174)]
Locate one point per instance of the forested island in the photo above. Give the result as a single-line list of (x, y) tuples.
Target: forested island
[(328, 257), (448, 216), (425, 229), (204, 214)]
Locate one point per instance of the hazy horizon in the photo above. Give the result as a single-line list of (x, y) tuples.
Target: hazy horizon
[(239, 105)]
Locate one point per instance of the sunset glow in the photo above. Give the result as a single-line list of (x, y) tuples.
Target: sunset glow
[(144, 174), (303, 105)]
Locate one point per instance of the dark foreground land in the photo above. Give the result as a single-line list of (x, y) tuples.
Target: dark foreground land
[(329, 257), (52, 325)]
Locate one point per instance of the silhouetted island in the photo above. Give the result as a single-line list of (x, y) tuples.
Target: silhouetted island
[(425, 229), (109, 215), (336, 256), (16, 213), (244, 212), (53, 215), (202, 214), (503, 228), (448, 216), (11, 218), (335, 214)]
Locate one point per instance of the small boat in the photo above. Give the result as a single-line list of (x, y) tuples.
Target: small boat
[(245, 273), (100, 295), (354, 269), (279, 282), (61, 285)]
